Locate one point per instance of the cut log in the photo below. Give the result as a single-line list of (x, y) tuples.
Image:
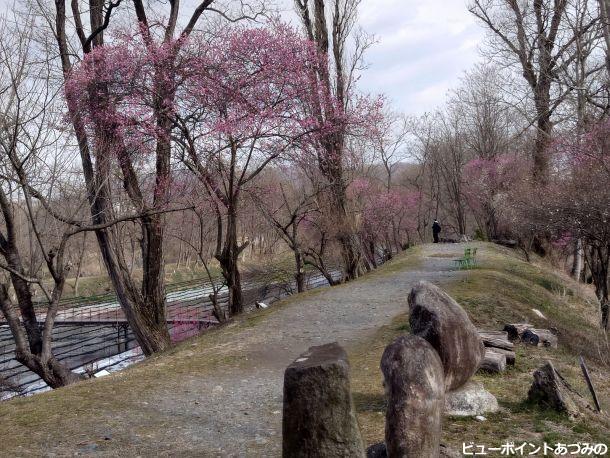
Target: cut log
[(494, 334), (493, 362), (515, 330), (510, 355), (498, 343), (539, 338)]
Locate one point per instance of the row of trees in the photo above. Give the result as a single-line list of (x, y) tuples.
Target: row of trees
[(143, 123), (520, 152)]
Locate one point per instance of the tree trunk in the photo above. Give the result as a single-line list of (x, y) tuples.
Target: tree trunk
[(604, 8), (543, 132), (29, 348), (228, 260), (598, 259), (80, 264), (577, 260), (372, 253), (605, 308), (299, 275), (144, 307)]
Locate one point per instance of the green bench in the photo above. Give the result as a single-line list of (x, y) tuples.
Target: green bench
[(468, 261)]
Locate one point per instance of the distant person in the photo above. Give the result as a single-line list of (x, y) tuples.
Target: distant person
[(436, 229)]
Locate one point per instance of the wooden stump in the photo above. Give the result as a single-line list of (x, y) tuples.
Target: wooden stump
[(319, 416), (493, 362), (551, 390), (516, 330), (539, 338)]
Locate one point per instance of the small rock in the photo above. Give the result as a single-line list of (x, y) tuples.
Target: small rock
[(470, 400), (480, 418), (377, 451)]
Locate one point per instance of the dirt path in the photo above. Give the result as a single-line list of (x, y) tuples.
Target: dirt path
[(234, 409)]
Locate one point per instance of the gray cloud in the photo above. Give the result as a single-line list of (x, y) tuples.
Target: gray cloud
[(423, 48)]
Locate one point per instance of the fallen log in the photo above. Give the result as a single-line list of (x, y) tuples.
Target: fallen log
[(539, 338), (510, 355), (494, 334), (493, 362), (495, 342), (515, 330)]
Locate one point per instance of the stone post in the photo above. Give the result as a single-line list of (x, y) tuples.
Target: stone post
[(319, 416)]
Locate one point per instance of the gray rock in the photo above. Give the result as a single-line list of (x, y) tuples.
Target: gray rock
[(436, 317), (319, 417), (551, 390), (414, 382), (446, 452), (470, 400), (379, 451)]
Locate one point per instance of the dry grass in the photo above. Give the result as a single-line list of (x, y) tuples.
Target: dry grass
[(504, 289)]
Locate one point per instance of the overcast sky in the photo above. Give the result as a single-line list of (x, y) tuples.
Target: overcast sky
[(424, 46)]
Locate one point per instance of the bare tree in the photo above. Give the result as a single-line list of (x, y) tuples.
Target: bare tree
[(339, 76), (291, 206), (534, 36), (28, 107)]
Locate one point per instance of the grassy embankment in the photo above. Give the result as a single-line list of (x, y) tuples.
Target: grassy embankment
[(502, 290)]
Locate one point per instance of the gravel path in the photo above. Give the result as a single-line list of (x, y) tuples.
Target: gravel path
[(235, 409), (239, 410)]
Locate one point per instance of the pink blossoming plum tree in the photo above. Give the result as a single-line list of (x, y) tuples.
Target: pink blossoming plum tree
[(121, 135)]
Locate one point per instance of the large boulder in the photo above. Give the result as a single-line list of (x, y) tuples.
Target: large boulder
[(436, 317), (470, 400), (414, 382), (319, 417)]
